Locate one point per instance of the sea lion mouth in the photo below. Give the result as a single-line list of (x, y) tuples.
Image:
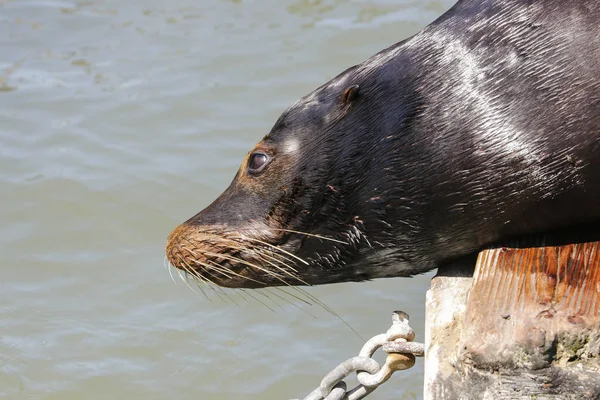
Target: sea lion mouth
[(231, 258)]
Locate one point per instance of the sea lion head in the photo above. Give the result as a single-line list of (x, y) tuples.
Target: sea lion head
[(431, 149), (291, 215)]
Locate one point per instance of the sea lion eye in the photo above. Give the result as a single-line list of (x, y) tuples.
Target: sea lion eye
[(257, 162)]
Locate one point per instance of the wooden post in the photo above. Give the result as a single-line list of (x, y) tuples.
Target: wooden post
[(524, 325)]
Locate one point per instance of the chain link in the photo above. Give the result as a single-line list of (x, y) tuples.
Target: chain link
[(397, 342)]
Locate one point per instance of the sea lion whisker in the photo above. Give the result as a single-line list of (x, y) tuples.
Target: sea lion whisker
[(194, 272), (303, 292), (261, 253), (312, 298), (220, 293), (240, 293), (208, 268), (290, 270), (187, 282), (201, 284), (247, 247), (220, 269), (215, 267), (273, 274), (228, 296), (212, 265), (282, 289), (189, 271), (214, 287), (265, 292), (170, 270), (242, 261), (199, 279), (195, 259), (326, 308), (310, 234), (292, 274), (180, 274), (278, 249), (255, 298), (179, 270), (186, 267), (273, 254)]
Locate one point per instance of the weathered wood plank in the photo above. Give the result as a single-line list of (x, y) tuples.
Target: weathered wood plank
[(526, 325)]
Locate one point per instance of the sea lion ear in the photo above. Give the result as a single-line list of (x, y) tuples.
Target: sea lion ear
[(350, 94)]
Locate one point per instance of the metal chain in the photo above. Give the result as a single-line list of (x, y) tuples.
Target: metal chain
[(397, 342)]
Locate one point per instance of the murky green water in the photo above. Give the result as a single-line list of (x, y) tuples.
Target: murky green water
[(120, 119)]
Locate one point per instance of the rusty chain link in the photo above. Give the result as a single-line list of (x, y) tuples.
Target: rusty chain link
[(397, 342)]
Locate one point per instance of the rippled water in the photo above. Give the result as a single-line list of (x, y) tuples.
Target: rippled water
[(120, 119)]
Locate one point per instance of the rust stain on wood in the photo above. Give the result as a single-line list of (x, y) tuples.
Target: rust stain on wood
[(558, 277), (525, 298)]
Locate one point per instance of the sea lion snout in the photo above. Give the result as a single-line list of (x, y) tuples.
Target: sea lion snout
[(244, 255)]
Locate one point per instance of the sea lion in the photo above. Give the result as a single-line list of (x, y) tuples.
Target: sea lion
[(484, 126)]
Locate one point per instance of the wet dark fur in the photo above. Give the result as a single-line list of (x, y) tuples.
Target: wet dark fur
[(483, 126)]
